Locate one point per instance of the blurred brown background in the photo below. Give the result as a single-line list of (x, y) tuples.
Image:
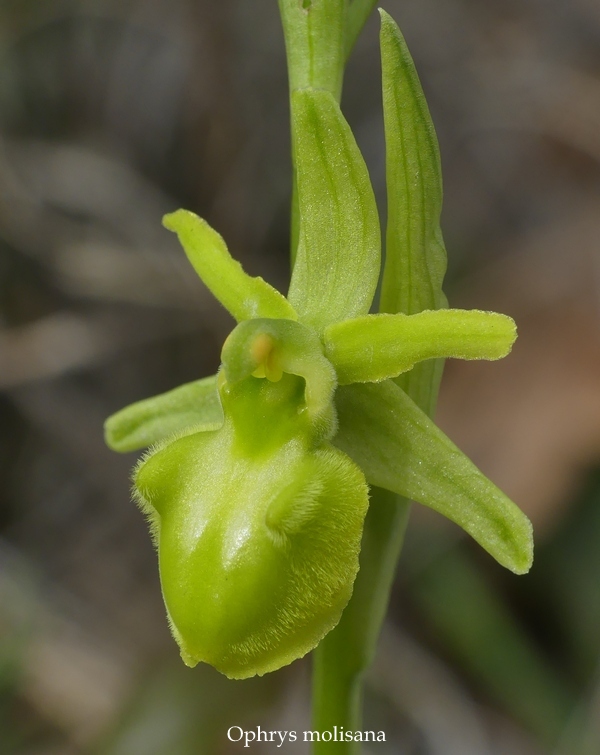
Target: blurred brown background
[(113, 112)]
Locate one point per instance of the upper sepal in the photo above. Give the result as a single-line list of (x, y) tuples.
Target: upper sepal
[(338, 259)]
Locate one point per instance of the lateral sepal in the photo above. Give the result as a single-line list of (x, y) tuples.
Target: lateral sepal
[(400, 449)]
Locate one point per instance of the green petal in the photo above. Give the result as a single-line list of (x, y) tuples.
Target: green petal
[(243, 296), (415, 253), (375, 347), (192, 406), (399, 448), (337, 266)]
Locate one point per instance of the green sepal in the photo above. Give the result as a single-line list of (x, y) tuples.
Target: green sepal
[(243, 296), (400, 449), (375, 347), (193, 406), (258, 532), (338, 260)]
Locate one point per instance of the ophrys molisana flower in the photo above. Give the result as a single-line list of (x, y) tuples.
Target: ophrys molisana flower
[(256, 481)]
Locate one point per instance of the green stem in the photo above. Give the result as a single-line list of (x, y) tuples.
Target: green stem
[(342, 658), (319, 36), (314, 43), (314, 32)]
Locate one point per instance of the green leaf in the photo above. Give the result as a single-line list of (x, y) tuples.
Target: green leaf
[(194, 406), (399, 448), (415, 253), (337, 265), (243, 296), (375, 347)]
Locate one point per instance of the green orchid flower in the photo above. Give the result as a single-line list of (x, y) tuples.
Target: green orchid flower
[(256, 484)]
